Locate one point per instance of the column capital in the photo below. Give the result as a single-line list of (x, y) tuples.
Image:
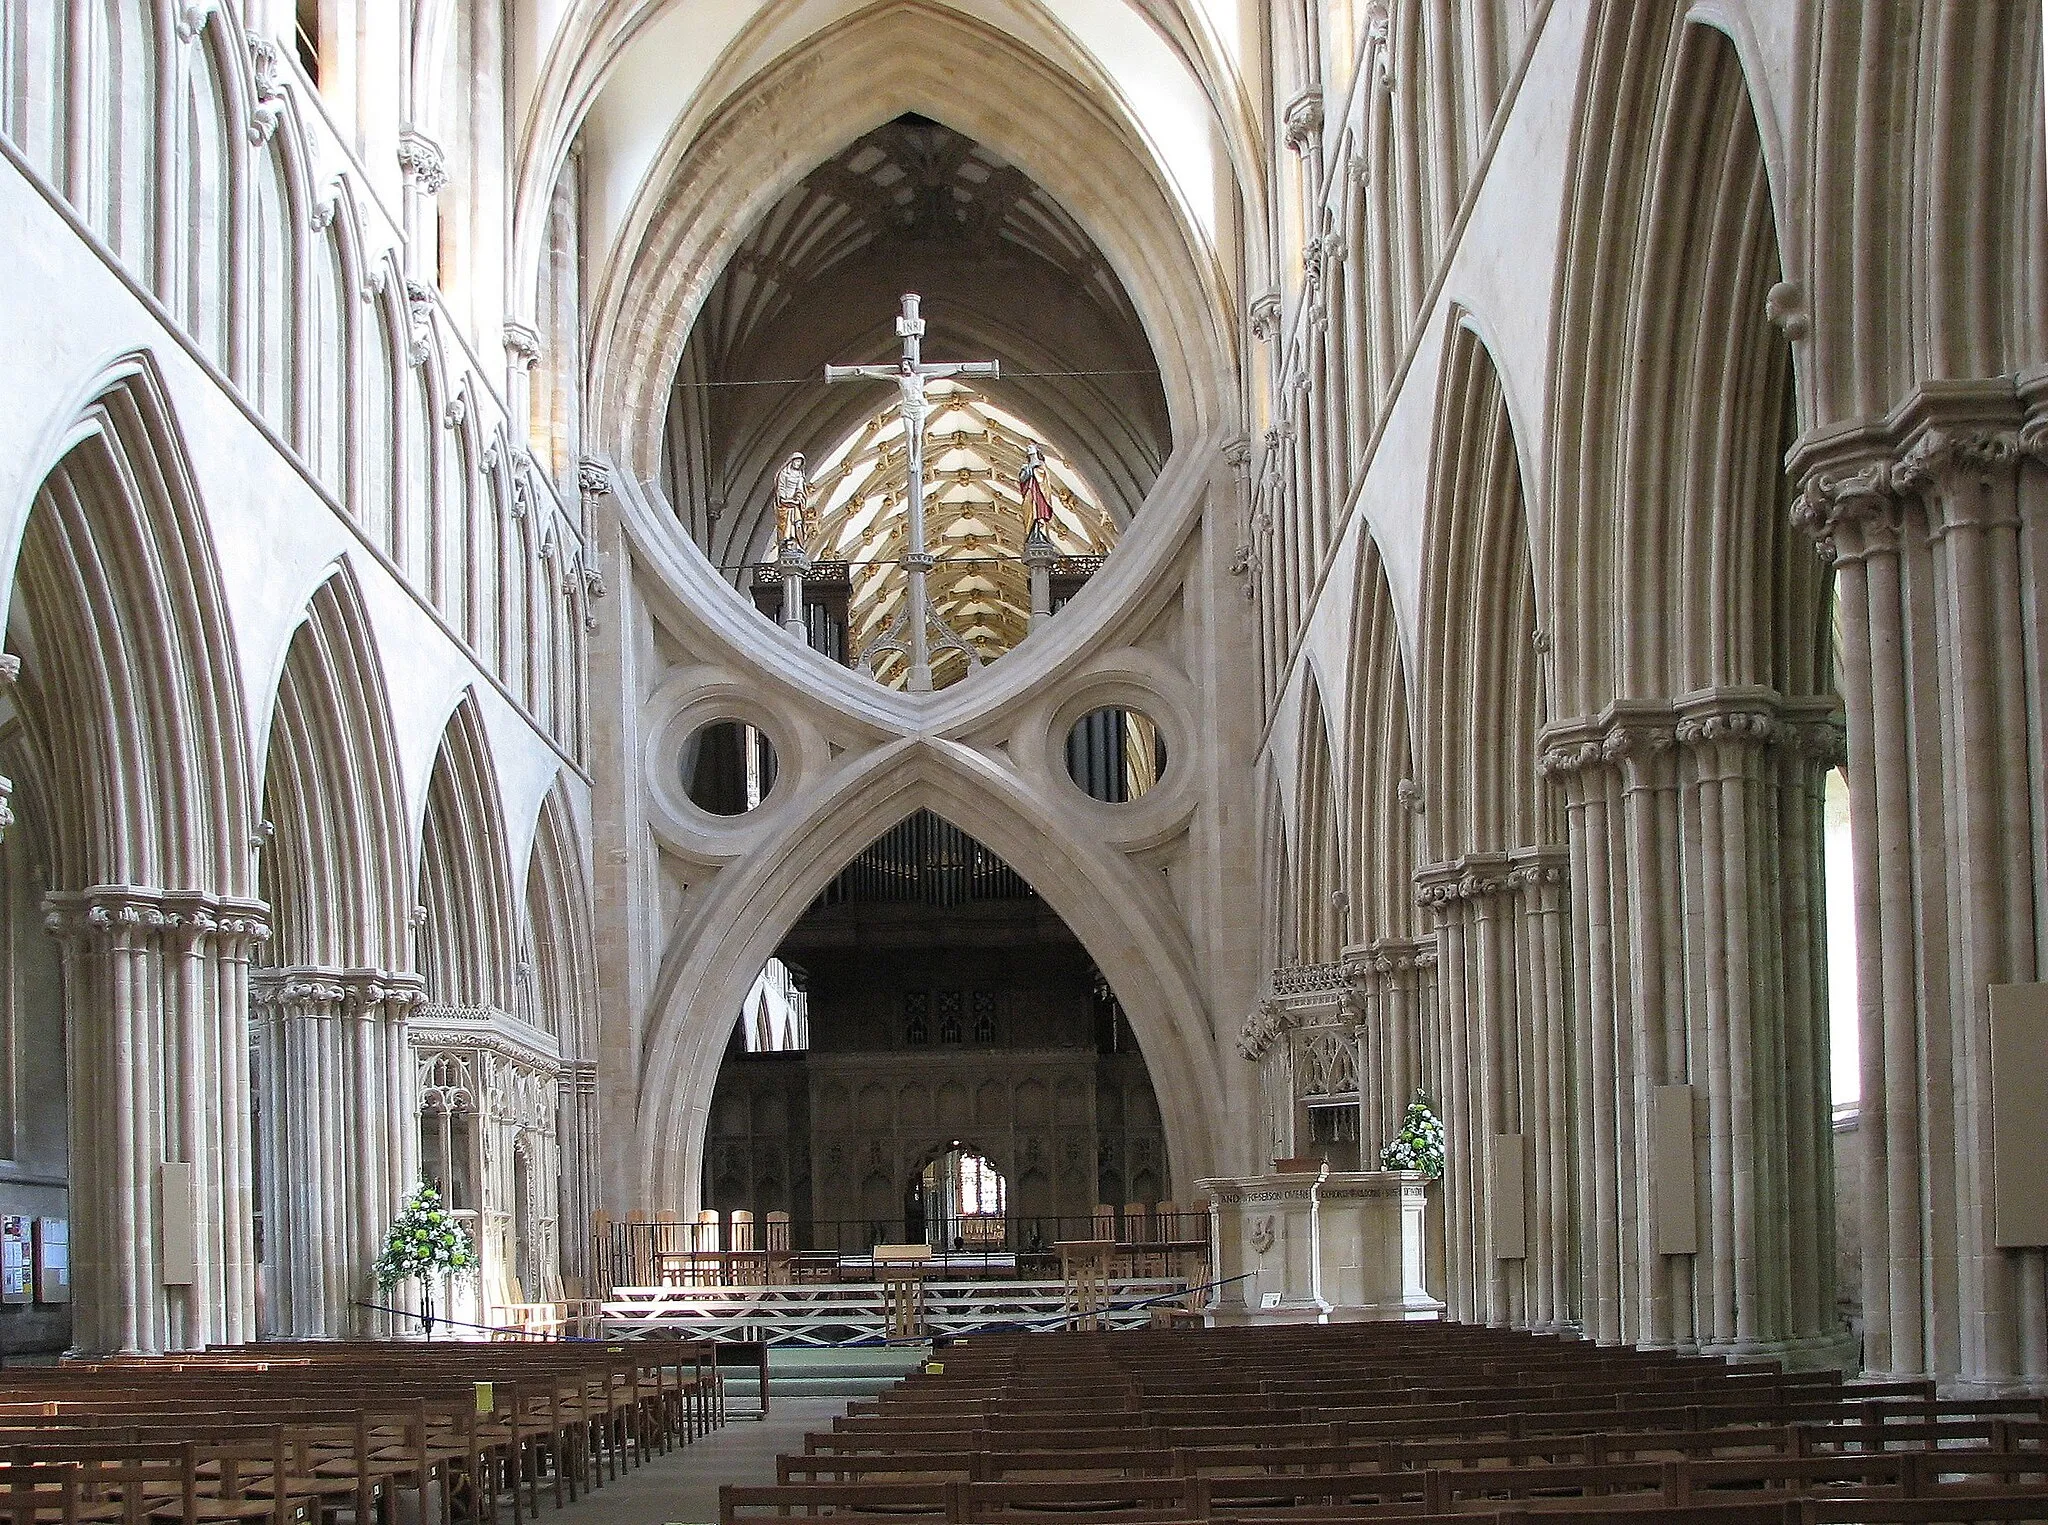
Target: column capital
[(522, 344), (1475, 876), (302, 990), (1856, 477), (120, 915), (1636, 734), (422, 161), (1301, 121)]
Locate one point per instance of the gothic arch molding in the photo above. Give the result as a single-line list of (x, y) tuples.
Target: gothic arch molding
[(115, 587), (1678, 392), (1316, 915), (1926, 119), (469, 945), (900, 56), (132, 696), (563, 953), (1135, 941), (336, 872), (1479, 683), (1382, 793)]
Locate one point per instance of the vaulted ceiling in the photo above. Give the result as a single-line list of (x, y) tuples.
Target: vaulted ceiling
[(1005, 272)]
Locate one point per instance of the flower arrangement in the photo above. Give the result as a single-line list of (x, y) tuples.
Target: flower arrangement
[(1420, 1143), (427, 1243)]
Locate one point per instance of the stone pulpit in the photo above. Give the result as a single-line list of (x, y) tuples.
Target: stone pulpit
[(1320, 1245)]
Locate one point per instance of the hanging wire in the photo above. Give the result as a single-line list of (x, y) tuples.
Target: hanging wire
[(897, 561), (797, 381)]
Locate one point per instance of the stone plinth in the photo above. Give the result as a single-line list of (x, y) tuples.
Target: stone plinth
[(1349, 1245)]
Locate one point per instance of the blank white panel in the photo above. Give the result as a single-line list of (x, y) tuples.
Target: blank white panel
[(1507, 1199), (1674, 1205), (178, 1223), (2019, 1115)]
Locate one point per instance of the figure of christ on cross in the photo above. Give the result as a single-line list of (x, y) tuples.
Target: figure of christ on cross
[(911, 631)]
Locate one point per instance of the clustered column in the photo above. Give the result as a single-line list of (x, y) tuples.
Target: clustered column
[(340, 1148), (578, 1133), (156, 991), (1937, 521), (1504, 1086), (1393, 991), (1696, 836)]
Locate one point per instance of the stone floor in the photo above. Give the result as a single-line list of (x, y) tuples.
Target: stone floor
[(682, 1487)]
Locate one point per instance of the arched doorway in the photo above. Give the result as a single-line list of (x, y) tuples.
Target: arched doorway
[(958, 1200), (970, 1081)]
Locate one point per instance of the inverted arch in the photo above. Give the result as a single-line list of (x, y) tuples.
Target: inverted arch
[(1133, 937), (468, 947), (905, 55), (336, 870)]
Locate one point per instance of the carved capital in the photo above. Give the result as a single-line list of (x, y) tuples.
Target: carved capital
[(1301, 122), (593, 477), (1379, 43), (266, 108), (522, 344), (419, 306), (116, 915), (1265, 316), (422, 161), (1476, 876)]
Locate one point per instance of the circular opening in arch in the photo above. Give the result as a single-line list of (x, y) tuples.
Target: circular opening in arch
[(728, 767), (1116, 755)]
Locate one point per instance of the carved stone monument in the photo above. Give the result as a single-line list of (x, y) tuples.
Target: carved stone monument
[(1320, 1246)]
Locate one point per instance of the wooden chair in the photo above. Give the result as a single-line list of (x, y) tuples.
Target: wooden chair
[(779, 1250)]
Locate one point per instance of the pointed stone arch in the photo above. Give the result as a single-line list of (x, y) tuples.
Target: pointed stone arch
[(1316, 919), (1383, 797), (1692, 659), (132, 698), (335, 1142), (904, 55), (1673, 556), (469, 945), (336, 869), (1929, 120), (1392, 968), (565, 996), (1492, 882), (1126, 924), (1479, 682)]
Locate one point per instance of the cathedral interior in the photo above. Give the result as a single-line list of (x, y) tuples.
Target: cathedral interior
[(929, 619)]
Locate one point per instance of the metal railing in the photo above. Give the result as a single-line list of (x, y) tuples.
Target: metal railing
[(731, 1252)]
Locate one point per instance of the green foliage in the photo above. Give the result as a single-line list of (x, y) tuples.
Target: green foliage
[(1420, 1143), (425, 1241)]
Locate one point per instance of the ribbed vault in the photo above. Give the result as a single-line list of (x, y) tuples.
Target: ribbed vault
[(1005, 272), (975, 522)]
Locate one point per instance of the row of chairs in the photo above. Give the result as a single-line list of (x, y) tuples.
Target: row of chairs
[(317, 1434), (1350, 1423)]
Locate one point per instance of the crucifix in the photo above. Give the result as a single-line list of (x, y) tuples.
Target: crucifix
[(910, 633)]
